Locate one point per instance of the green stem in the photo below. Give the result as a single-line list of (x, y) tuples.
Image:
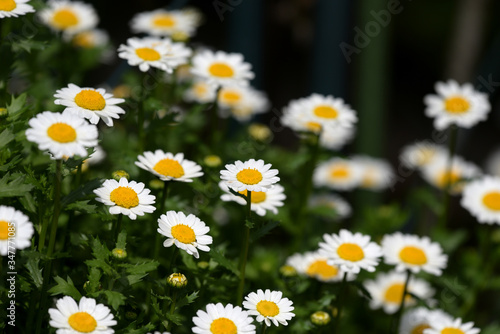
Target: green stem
[(302, 233), (172, 309), (171, 265), (397, 316), (216, 133), (57, 208), (117, 226), (140, 120), (244, 250), (340, 303), (264, 328), (452, 144), (163, 199)]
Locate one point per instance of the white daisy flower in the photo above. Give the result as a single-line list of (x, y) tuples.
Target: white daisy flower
[(15, 230), (154, 52), (262, 202), (455, 104), (332, 201), (387, 290), (482, 199), (63, 135), (322, 111), (220, 319), (200, 92), (416, 320), (90, 39), (90, 103), (168, 166), (421, 154), (315, 265), (338, 173), (451, 326), (414, 253), (242, 102), (157, 332), (351, 252), (70, 17), (85, 317), (187, 233), (161, 22), (378, 174), (14, 8), (269, 306), (439, 175), (299, 120), (252, 175), (222, 69), (127, 198), (336, 137)]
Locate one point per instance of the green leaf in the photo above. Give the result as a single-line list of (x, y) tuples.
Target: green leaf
[(189, 261), (115, 299), (99, 250), (103, 265), (140, 268), (249, 224), (263, 230), (13, 186), (84, 190), (188, 299), (218, 257), (361, 288), (235, 193), (143, 330), (133, 279), (35, 273), (17, 106), (175, 318), (6, 137), (65, 288), (94, 279), (122, 240), (82, 206)]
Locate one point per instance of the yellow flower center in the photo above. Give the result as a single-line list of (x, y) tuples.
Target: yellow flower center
[(450, 330), (267, 308), (125, 197), (230, 97), (200, 89), (322, 269), (90, 99), (82, 322), (7, 5), (249, 176), (313, 127), (148, 54), (419, 329), (456, 105), (64, 18), (492, 200), (221, 70), (169, 167), (257, 196), (340, 172), (350, 252), (223, 326), (84, 40), (183, 233), (61, 132), (394, 294), (164, 21), (4, 230), (325, 112), (448, 178), (413, 255), (424, 156)]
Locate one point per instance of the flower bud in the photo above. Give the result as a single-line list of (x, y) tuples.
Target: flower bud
[(260, 132), (320, 318), (288, 271), (119, 253), (203, 264), (4, 113), (118, 174), (212, 161), (156, 184), (177, 280)]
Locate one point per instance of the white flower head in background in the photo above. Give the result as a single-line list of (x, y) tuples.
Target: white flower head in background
[(14, 8), (422, 154), (64, 135), (220, 319), (89, 39), (90, 103), (200, 92), (456, 104), (69, 17), (482, 199), (15, 230), (338, 174), (241, 102), (251, 175), (162, 22), (168, 166), (269, 307), (455, 326), (221, 68), (378, 174), (416, 320)]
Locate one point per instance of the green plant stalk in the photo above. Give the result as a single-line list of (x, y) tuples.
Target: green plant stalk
[(302, 233), (397, 316), (172, 309), (216, 133), (244, 250), (163, 199), (264, 327), (140, 120), (340, 303), (452, 145), (117, 226)]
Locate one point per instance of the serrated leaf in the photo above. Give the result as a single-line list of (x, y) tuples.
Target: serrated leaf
[(103, 265), (188, 299), (249, 224), (83, 206), (133, 279), (6, 137), (99, 250), (66, 288), (94, 279), (35, 273), (218, 257), (81, 192), (17, 106), (263, 230), (143, 330), (121, 241), (140, 268), (115, 299), (175, 318), (12, 186)]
